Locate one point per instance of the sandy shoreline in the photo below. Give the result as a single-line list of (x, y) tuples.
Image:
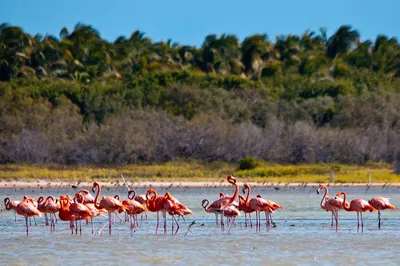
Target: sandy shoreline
[(43, 184)]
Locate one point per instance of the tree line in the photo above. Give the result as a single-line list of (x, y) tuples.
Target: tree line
[(79, 99)]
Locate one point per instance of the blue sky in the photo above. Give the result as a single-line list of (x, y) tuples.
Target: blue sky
[(188, 22)]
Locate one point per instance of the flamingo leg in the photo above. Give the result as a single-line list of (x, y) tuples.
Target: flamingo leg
[(379, 219), (358, 221), (362, 222), (332, 218), (251, 223), (26, 222), (71, 226), (76, 227), (109, 225), (91, 221), (46, 219), (157, 222), (337, 219), (132, 225), (222, 221), (177, 224), (80, 227), (245, 219), (34, 219), (165, 222), (216, 218), (15, 216)]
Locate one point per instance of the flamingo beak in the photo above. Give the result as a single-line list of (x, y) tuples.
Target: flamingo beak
[(318, 191), (244, 191)]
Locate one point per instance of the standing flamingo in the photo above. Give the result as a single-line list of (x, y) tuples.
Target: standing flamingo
[(133, 208), (216, 211), (95, 212), (12, 205), (333, 205), (357, 205), (155, 204), (50, 206), (222, 203), (109, 203), (27, 209), (259, 204), (174, 207), (65, 214), (381, 203), (246, 209)]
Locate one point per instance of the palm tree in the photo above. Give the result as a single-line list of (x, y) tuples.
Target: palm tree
[(342, 41), (255, 50)]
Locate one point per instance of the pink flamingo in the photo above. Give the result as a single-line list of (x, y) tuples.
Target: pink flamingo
[(381, 204), (333, 205), (222, 203), (50, 206), (357, 205), (133, 208), (12, 205), (259, 204), (246, 209), (95, 212), (109, 203), (27, 209)]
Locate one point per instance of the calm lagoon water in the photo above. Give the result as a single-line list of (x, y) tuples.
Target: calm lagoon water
[(302, 236)]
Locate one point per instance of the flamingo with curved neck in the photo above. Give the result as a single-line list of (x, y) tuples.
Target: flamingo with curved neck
[(11, 205), (110, 204), (357, 205), (333, 205), (155, 204)]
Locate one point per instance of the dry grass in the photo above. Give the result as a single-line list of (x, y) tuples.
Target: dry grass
[(200, 171)]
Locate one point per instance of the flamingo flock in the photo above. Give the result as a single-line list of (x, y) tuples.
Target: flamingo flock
[(86, 207)]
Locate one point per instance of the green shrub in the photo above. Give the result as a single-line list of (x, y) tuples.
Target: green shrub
[(247, 163)]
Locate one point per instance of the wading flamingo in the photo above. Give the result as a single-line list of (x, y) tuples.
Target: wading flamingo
[(133, 208), (216, 211), (51, 207), (95, 212), (357, 205), (11, 205), (222, 203), (27, 209), (259, 204), (333, 205), (155, 204), (381, 203), (246, 209), (174, 207), (109, 203), (65, 213)]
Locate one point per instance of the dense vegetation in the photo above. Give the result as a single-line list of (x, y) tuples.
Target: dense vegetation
[(79, 99)]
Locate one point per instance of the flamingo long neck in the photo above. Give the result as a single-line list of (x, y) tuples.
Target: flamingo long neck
[(205, 204), (323, 198), (97, 196), (344, 203), (234, 195), (248, 195), (7, 204), (130, 193)]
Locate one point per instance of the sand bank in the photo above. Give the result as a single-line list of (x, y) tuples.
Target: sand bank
[(43, 184)]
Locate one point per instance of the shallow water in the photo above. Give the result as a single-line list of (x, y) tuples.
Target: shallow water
[(302, 236)]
